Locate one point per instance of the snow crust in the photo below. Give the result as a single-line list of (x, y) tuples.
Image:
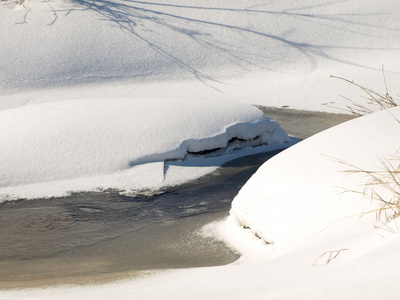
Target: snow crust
[(118, 143)]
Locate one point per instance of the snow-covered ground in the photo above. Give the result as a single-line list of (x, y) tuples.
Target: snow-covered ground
[(255, 51), (83, 72)]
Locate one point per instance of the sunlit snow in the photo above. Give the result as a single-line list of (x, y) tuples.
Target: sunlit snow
[(305, 189), (92, 144), (315, 256), (85, 104)]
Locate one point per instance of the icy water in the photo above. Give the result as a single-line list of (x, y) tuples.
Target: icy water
[(97, 237), (100, 234)]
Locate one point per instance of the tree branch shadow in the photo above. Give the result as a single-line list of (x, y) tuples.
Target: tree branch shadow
[(136, 18)]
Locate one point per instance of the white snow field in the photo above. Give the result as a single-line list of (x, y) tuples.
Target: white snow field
[(76, 76), (278, 53)]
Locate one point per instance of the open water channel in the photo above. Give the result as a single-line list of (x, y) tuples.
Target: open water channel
[(97, 237)]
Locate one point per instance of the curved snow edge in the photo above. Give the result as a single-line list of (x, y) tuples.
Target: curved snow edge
[(54, 149), (152, 174), (262, 133), (299, 192)]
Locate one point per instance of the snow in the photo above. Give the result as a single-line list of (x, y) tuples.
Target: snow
[(305, 230), (86, 70), (268, 53), (299, 192), (92, 144)]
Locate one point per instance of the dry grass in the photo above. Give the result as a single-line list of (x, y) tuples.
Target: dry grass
[(382, 186), (326, 257), (383, 100)]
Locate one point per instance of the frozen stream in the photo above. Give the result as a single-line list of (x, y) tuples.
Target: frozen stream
[(98, 237)]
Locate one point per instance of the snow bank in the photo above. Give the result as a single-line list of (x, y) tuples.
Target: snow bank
[(117, 143), (298, 193)]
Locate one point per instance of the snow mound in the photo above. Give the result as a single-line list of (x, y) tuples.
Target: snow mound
[(118, 143), (299, 192)]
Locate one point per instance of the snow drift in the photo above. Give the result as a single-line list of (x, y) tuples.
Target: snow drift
[(299, 192), (82, 139)]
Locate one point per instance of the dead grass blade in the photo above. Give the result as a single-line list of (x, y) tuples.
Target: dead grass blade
[(382, 186), (326, 257), (383, 100)]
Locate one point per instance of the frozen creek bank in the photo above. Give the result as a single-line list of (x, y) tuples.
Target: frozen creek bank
[(322, 183), (82, 232), (52, 149)]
